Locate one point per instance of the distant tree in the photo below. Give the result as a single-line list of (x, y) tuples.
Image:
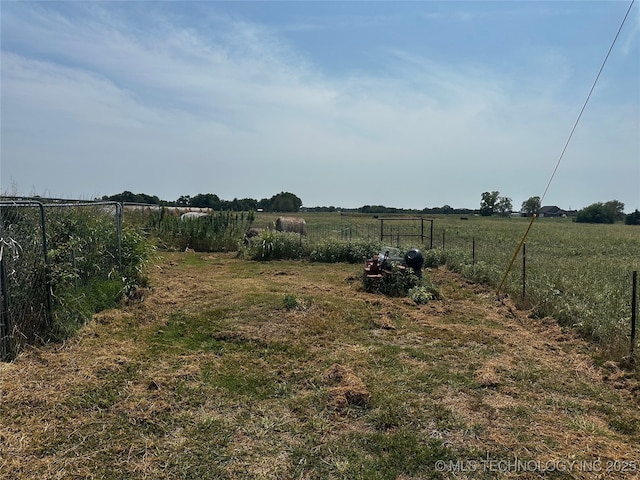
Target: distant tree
[(615, 208), (379, 209), (263, 204), (488, 203), (206, 200), (504, 206), (608, 212), (247, 204), (633, 218), (129, 197), (530, 206), (285, 202), (183, 200), (447, 209)]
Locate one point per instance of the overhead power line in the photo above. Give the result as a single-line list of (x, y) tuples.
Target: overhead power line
[(564, 149)]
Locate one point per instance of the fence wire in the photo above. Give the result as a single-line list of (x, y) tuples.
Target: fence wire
[(51, 250), (51, 255)]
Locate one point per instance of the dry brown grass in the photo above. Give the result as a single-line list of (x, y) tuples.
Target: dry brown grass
[(212, 377)]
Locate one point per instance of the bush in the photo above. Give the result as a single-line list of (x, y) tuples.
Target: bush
[(633, 218), (219, 232), (271, 245), (85, 270), (331, 251), (424, 293), (434, 258), (87, 273), (599, 212)]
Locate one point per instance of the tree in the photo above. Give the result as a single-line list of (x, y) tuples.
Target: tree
[(488, 203), (447, 209), (615, 209), (183, 200), (206, 200), (530, 206), (130, 197), (633, 218), (284, 202), (504, 206), (599, 212)]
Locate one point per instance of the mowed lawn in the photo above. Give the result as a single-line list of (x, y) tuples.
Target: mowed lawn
[(227, 368)]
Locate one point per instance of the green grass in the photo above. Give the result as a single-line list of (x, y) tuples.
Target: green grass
[(578, 274), (231, 382)]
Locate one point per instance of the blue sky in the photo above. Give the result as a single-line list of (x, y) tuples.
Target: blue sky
[(403, 104)]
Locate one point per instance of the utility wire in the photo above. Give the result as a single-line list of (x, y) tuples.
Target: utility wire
[(564, 149)]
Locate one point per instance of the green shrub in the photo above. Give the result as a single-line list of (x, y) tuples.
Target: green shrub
[(332, 250), (290, 301), (633, 218), (434, 258), (424, 292), (90, 270), (218, 232), (271, 245)]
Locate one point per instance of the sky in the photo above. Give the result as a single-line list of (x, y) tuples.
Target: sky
[(403, 104)]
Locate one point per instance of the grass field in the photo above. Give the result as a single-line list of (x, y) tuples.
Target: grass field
[(227, 368), (579, 274)]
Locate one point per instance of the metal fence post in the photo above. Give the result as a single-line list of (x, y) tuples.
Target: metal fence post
[(431, 236), (524, 270), (47, 272), (634, 308), (473, 251), (5, 320), (119, 210)]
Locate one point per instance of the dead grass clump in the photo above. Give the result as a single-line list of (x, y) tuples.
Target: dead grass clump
[(350, 391), (384, 322), (491, 374)]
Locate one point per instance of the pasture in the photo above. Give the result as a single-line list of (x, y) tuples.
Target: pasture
[(228, 368), (579, 274)]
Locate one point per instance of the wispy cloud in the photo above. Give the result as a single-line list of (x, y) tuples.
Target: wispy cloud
[(176, 105)]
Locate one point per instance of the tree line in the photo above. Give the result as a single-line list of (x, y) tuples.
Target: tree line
[(599, 212), (281, 202), (491, 203)]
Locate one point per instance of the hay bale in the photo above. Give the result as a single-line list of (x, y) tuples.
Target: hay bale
[(291, 224), (193, 215)]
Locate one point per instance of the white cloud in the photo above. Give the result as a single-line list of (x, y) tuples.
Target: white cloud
[(102, 105)]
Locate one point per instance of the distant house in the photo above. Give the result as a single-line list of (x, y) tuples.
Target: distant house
[(554, 211)]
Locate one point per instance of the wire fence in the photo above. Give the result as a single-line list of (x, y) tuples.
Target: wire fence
[(24, 277), (51, 258), (593, 292), (52, 252)]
